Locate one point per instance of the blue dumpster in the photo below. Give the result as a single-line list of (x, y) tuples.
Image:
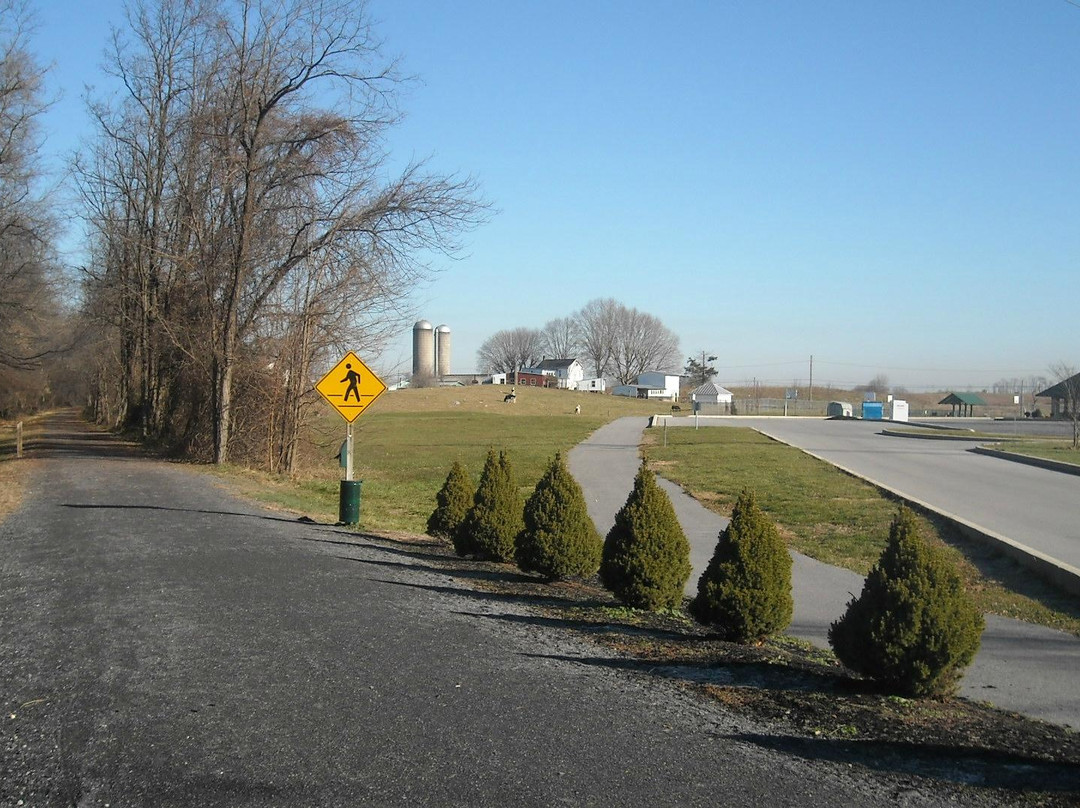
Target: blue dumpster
[(872, 410)]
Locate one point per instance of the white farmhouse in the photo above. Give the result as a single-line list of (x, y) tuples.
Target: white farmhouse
[(568, 372)]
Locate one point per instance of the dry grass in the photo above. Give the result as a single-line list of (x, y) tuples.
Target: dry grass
[(12, 485), (13, 472)]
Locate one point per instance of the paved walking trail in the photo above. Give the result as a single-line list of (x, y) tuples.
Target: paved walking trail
[(1020, 667)]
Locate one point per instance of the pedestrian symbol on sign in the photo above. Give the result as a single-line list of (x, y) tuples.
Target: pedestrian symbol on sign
[(353, 378), (350, 387)]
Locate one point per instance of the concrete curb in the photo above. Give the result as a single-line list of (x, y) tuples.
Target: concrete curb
[(1041, 462), (1056, 572), (892, 433)]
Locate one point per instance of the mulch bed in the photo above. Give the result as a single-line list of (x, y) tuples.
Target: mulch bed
[(810, 704)]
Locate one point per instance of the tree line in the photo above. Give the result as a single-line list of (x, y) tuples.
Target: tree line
[(32, 328), (613, 340), (244, 220)]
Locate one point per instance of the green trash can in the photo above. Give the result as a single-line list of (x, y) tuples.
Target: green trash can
[(349, 502)]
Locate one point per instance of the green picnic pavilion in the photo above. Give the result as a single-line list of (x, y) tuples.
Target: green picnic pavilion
[(962, 403)]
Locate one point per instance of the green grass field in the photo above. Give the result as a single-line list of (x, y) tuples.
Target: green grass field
[(407, 441)]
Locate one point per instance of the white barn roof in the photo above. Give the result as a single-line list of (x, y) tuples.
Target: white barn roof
[(710, 389)]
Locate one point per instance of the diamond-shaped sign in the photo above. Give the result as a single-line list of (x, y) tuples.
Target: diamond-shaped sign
[(350, 387)]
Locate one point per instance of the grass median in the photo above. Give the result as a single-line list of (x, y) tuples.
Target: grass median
[(1061, 451), (839, 519)]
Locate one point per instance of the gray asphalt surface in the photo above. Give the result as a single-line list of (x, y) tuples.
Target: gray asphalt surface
[(165, 645), (1020, 667), (1034, 506)]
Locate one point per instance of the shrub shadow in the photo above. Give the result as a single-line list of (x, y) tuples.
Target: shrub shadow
[(962, 765), (491, 597)]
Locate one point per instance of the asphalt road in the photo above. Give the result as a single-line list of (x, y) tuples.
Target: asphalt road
[(1034, 506), (162, 644)]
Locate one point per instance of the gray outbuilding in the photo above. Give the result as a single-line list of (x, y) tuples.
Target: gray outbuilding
[(840, 409)]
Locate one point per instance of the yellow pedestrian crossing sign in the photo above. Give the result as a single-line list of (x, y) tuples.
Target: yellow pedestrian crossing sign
[(350, 387)]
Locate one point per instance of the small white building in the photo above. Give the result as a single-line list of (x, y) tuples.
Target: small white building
[(568, 372), (667, 384), (592, 385), (712, 399), (653, 385), (710, 393)]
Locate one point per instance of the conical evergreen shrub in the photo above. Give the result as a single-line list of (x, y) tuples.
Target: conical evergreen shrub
[(492, 524), (451, 503), (913, 628), (745, 592), (646, 558), (559, 539)]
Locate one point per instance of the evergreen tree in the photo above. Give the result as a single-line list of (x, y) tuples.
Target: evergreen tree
[(559, 539), (646, 558), (913, 628), (492, 524), (745, 592), (451, 503)]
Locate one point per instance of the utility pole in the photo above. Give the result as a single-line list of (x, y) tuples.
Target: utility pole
[(704, 373), (811, 377)]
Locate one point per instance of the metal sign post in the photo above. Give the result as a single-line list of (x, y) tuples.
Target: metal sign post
[(348, 451), (349, 388)]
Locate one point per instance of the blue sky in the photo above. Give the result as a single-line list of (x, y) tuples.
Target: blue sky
[(890, 187)]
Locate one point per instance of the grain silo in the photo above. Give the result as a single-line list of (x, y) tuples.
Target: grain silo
[(442, 351), (423, 349)]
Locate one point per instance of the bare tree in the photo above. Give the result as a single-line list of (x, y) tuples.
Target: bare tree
[(562, 339), (243, 205), (1068, 387), (642, 343), (27, 266), (597, 326), (510, 350), (879, 385)]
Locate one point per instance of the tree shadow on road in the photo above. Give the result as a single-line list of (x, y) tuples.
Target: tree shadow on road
[(529, 599), (208, 512), (376, 542)]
